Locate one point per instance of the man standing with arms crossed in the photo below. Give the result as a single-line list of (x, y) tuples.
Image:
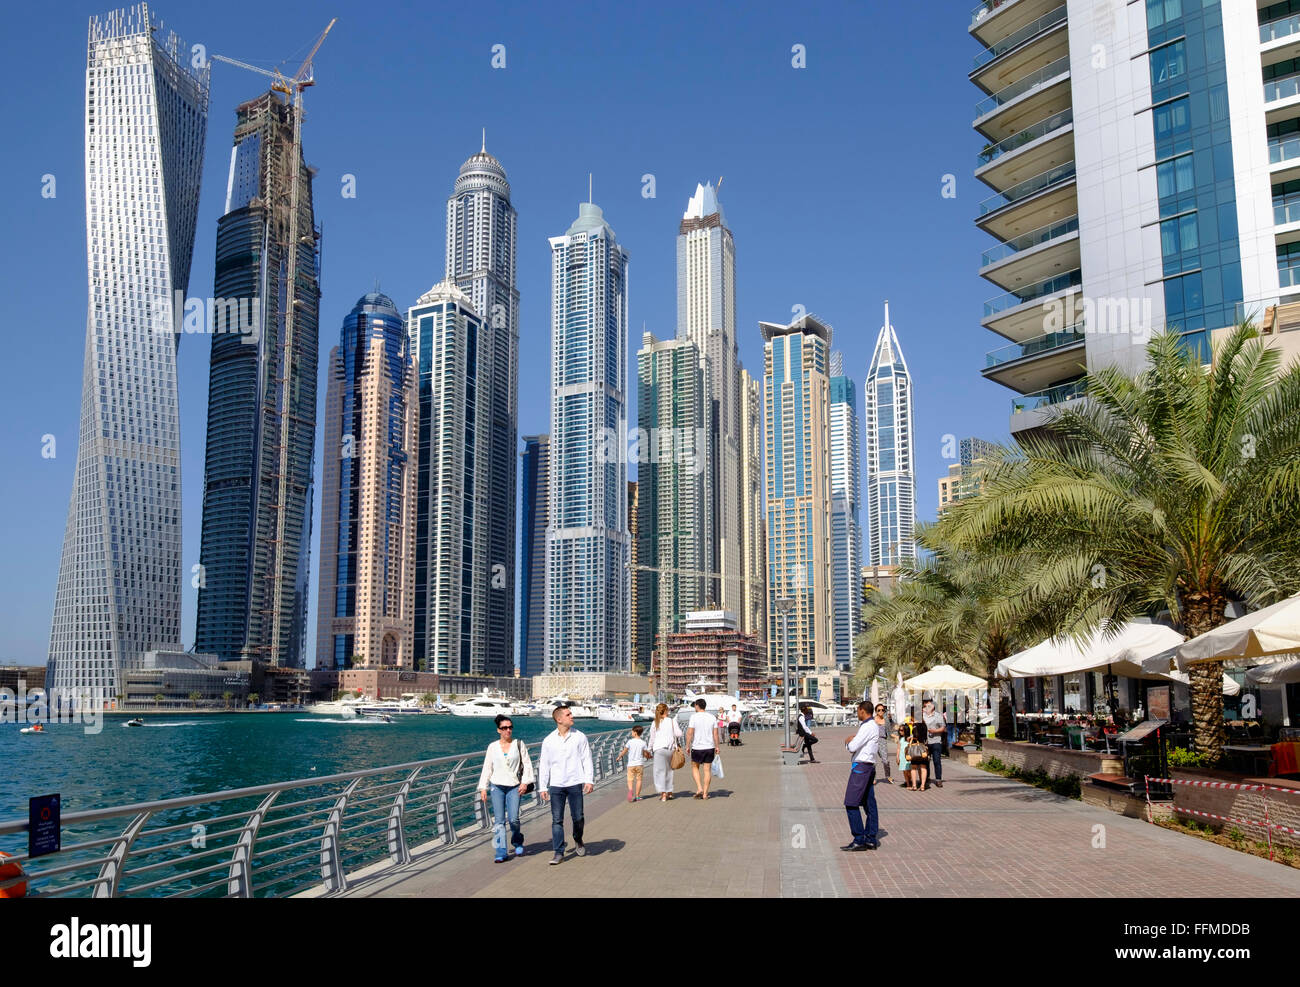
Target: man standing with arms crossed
[(935, 729), (860, 791), (564, 774)]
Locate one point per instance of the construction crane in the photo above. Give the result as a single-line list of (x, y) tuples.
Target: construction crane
[(665, 571), (293, 88)]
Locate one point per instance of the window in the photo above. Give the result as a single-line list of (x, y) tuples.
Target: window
[(1174, 177), (1167, 65), (1178, 235)]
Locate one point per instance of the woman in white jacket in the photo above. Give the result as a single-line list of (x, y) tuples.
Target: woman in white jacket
[(507, 773), (665, 736)]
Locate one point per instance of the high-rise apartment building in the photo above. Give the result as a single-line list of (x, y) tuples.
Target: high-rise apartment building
[(1143, 160), (452, 493), (675, 502), (796, 406), (846, 523), (950, 486), (753, 526), (365, 614), (536, 478), (255, 550), (633, 560), (587, 574), (891, 482), (972, 453), (481, 242), (119, 587)]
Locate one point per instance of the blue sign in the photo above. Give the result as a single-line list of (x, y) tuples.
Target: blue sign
[(43, 832)]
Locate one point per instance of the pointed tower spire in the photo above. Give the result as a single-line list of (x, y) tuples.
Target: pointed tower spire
[(483, 149), (588, 188)]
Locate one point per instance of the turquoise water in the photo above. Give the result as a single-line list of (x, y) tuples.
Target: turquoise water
[(174, 755)]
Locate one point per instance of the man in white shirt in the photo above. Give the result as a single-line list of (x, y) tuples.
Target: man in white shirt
[(860, 791), (733, 726), (564, 774), (936, 726), (702, 740)]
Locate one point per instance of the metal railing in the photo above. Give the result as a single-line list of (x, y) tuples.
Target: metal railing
[(1282, 88), (1017, 38), (1031, 239), (1279, 28), (274, 840), (1283, 148), (1030, 186), (1286, 210), (1022, 86), (1032, 292), (982, 10), (1049, 396), (1039, 344), (1034, 131)]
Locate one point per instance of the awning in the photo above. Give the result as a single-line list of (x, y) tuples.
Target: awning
[(1270, 631), (1275, 673), (943, 677), (1230, 686), (1119, 654)]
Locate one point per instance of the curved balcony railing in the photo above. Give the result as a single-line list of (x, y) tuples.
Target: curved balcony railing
[(1279, 28), (1022, 86), (1283, 148), (1056, 121), (1283, 88), (1030, 186), (985, 8), (1040, 289), (1031, 239), (1039, 344), (1049, 396), (1017, 38)]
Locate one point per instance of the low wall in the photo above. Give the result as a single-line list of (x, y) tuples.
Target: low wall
[(1054, 761), (1283, 808)]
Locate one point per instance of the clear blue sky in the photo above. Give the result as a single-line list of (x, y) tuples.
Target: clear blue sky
[(833, 177)]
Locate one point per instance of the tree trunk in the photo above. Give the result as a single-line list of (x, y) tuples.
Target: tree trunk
[(998, 648), (1204, 612)]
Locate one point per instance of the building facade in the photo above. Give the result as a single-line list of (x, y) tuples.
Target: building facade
[(710, 647), (675, 497), (796, 404), (846, 522), (753, 526), (587, 538), (258, 472), (633, 560), (950, 486), (1110, 216), (891, 482), (532, 550), (119, 586), (452, 563), (481, 242), (365, 615)]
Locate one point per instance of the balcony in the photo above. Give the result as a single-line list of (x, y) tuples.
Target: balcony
[(1037, 363), (1033, 256), (1016, 38), (1281, 98), (1046, 144), (993, 20), (1031, 292), (1019, 139), (1027, 188), (1021, 86), (1283, 149), (1281, 28), (1039, 344), (1049, 396), (1031, 239)]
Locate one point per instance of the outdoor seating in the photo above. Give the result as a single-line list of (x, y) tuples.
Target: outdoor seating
[(1074, 738)]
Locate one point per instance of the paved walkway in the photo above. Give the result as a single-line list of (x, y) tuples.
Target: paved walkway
[(774, 831)]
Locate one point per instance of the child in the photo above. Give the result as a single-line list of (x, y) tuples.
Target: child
[(635, 751)]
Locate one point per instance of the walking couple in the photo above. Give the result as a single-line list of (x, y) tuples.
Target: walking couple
[(703, 738)]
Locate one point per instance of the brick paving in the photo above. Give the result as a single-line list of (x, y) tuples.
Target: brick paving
[(775, 831)]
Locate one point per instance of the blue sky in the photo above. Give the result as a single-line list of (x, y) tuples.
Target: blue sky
[(833, 175)]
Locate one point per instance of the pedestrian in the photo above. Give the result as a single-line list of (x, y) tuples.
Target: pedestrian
[(665, 738), (859, 791), (702, 739), (882, 750), (936, 728), (564, 775), (635, 752), (733, 726), (804, 727), (507, 774), (913, 753)]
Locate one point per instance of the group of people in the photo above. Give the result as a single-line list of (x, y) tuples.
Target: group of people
[(564, 772)]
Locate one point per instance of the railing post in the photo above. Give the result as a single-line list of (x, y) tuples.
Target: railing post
[(444, 805), (331, 868), (110, 872), (397, 851), (241, 861)]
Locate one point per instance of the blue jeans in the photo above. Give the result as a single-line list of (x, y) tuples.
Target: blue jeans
[(936, 761), (869, 834), (505, 808), (572, 794)]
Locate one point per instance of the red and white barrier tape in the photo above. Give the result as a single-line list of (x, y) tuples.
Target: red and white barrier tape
[(1232, 819), (1225, 784)]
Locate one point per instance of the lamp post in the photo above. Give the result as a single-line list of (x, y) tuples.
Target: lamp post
[(784, 606)]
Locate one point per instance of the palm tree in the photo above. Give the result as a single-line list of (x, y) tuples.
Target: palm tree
[(1175, 490), (227, 696), (253, 698), (194, 698), (157, 699)]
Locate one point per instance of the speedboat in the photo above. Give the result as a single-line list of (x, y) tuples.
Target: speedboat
[(347, 707), (484, 705), (137, 722), (37, 728)]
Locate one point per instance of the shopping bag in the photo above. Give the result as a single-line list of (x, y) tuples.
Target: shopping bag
[(717, 766)]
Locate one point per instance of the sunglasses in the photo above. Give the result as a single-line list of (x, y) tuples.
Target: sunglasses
[(507, 726)]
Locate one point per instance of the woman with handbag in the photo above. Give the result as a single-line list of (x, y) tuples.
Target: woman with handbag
[(916, 753), (507, 774), (665, 747)]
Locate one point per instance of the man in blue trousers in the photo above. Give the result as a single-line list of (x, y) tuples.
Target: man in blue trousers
[(860, 791)]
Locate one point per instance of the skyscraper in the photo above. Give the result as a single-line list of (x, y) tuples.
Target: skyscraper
[(587, 538), (891, 483), (532, 549), (971, 452), (367, 568), (1111, 216), (753, 527), (119, 588), (846, 526), (481, 235), (452, 492), (258, 473), (675, 480), (796, 408)]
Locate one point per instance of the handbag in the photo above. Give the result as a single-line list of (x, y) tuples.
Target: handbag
[(519, 771), (678, 760), (917, 752)]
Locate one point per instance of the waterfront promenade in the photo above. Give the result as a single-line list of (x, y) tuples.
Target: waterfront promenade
[(773, 831)]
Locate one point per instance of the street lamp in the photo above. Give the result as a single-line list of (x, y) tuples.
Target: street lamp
[(784, 606)]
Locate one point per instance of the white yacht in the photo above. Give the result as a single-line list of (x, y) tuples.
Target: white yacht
[(484, 705), (581, 710), (346, 707)]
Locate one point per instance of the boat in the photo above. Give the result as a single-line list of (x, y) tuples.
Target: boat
[(137, 722), (715, 700), (623, 712), (484, 704), (824, 714), (346, 707), (33, 729), (406, 706), (580, 709)]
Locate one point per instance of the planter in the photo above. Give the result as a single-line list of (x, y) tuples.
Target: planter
[(791, 755)]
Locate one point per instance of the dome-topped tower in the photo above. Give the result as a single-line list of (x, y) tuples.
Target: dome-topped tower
[(482, 170)]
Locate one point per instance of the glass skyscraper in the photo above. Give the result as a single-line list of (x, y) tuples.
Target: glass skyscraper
[(587, 538), (532, 550), (891, 482), (119, 588), (367, 577), (258, 474), (846, 524)]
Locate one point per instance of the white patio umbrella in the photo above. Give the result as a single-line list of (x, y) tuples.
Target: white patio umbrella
[(1230, 686), (943, 677), (1121, 653), (1270, 631), (1275, 673), (875, 692)]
